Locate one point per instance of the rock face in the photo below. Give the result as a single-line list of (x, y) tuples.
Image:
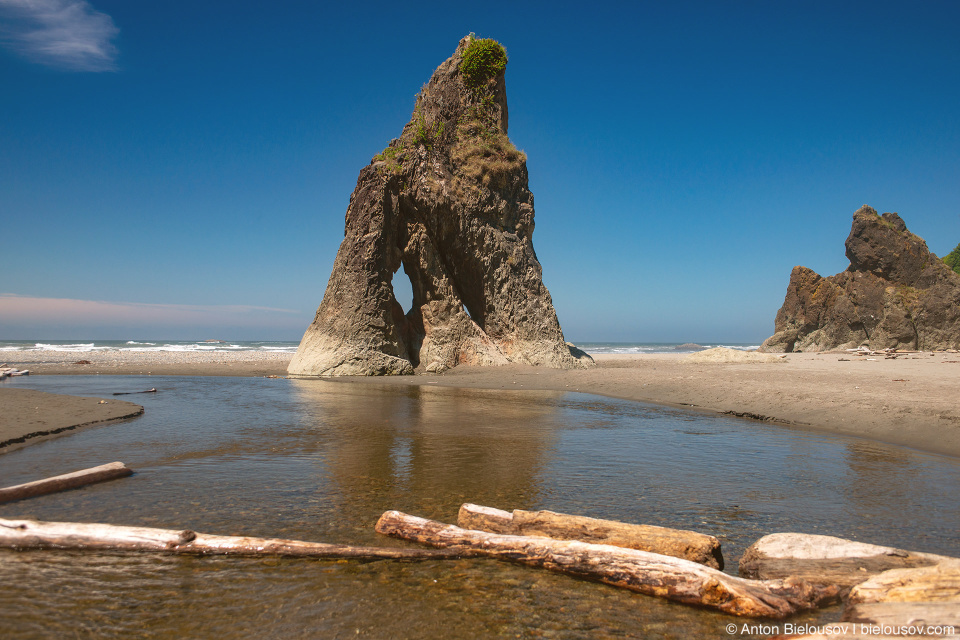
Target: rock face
[(448, 201), (895, 294)]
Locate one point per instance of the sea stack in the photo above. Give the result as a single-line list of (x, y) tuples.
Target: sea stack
[(895, 294), (448, 201)]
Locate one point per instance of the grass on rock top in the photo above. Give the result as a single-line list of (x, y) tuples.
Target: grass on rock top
[(481, 152), (483, 59)]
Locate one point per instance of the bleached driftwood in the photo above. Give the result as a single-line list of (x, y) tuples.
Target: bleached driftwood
[(825, 559), (66, 481), (937, 583), (924, 597), (689, 545), (30, 534), (648, 573)]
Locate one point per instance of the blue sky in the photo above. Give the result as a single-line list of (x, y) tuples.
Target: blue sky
[(182, 170)]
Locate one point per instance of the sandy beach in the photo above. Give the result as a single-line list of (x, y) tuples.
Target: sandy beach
[(158, 363), (912, 400), (31, 416)]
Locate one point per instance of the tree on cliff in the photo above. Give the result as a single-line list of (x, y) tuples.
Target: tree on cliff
[(952, 259)]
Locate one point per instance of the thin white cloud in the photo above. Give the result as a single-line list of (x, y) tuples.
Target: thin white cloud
[(24, 311), (66, 34)]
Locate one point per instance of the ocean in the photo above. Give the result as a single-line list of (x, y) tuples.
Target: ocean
[(81, 346)]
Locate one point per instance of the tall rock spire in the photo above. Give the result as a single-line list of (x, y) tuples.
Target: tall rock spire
[(448, 202)]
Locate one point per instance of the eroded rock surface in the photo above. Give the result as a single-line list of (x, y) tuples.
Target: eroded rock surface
[(895, 294), (448, 202)]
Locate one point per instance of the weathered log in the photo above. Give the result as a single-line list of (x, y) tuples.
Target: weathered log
[(66, 481), (648, 573), (689, 545), (825, 559), (939, 583), (130, 393), (30, 534)]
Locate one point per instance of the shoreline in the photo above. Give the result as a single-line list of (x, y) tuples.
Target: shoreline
[(909, 401), (30, 416)]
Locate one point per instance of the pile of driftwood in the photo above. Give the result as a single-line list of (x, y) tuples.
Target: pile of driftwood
[(6, 371), (890, 354), (780, 574)]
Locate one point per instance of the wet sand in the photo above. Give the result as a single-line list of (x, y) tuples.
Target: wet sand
[(28, 416), (913, 400)]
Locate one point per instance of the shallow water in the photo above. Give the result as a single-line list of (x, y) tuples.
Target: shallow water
[(321, 460)]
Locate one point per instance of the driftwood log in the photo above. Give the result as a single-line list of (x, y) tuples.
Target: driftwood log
[(648, 573), (29, 534), (825, 559), (689, 545), (939, 583), (73, 480)]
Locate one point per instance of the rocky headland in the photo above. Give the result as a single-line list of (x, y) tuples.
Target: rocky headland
[(895, 294), (449, 202)]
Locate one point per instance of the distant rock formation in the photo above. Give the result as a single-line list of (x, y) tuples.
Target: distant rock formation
[(448, 200), (895, 294)]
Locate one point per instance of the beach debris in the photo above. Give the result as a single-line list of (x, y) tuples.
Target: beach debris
[(82, 362), (449, 201), (755, 416), (130, 393), (679, 543), (13, 372), (32, 534), (80, 478), (641, 571), (888, 354), (825, 560), (895, 293)]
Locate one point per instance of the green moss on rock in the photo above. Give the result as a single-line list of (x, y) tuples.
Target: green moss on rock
[(483, 59)]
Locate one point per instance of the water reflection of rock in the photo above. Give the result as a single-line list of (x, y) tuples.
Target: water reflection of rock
[(878, 469), (427, 450)]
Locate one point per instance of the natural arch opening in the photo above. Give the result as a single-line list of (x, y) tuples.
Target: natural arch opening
[(402, 291)]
